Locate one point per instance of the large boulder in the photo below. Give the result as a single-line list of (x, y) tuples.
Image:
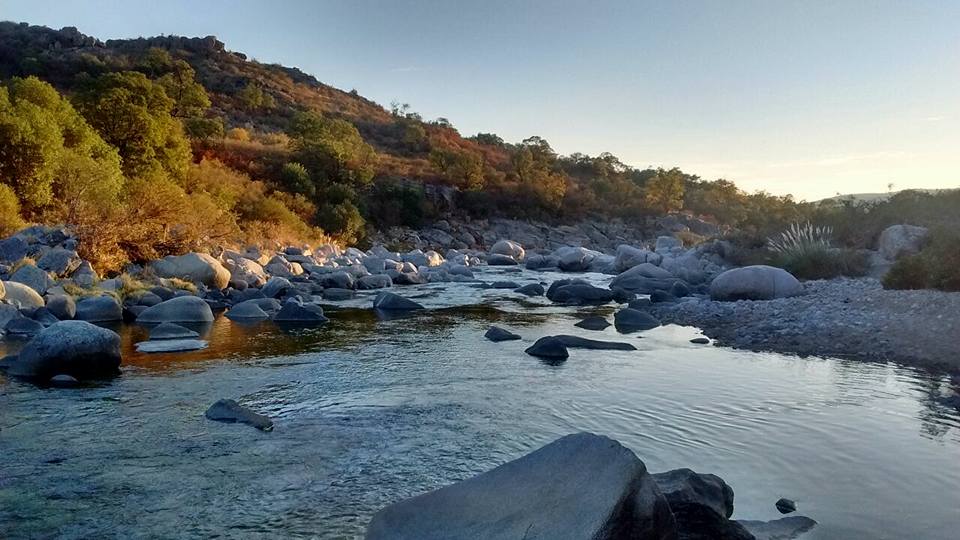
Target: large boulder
[(26, 296), (75, 348), (62, 306), (59, 261), (195, 267), (629, 320), (579, 486), (188, 309), (758, 282), (33, 277), (628, 256), (574, 259), (99, 309), (899, 240), (644, 279), (702, 505), (247, 270), (509, 248), (12, 249)]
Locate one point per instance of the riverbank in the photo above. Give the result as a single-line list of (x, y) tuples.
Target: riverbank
[(848, 318)]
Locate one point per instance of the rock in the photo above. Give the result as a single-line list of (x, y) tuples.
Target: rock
[(194, 267), (22, 327), (279, 266), (99, 309), (640, 304), (680, 289), (189, 309), (628, 256), (246, 270), (148, 299), (548, 347), (574, 259), (171, 345), (165, 293), (59, 262), (659, 297), (702, 505), (63, 381), (13, 249), (501, 260), (337, 280), (228, 410), (665, 244), (246, 311), (76, 348), (578, 292), (644, 279), (167, 330), (85, 276), (33, 277), (786, 528), (276, 287), (296, 312), (593, 323), (508, 248), (335, 295), (22, 294), (497, 334), (530, 289), (580, 486), (577, 342), (374, 282), (759, 282), (408, 278), (540, 262), (394, 302), (629, 320), (700, 341), (899, 240), (786, 506), (44, 316)]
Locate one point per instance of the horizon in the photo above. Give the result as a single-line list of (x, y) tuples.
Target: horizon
[(706, 98)]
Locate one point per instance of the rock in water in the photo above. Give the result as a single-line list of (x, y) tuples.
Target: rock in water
[(501, 260), (593, 323), (577, 342), (172, 331), (171, 345), (580, 486), (702, 505), (508, 248), (548, 347), (786, 528), (179, 309), (530, 289), (629, 320), (295, 312), (785, 506), (497, 334), (757, 282), (389, 301), (76, 348), (228, 410), (700, 341), (247, 311)]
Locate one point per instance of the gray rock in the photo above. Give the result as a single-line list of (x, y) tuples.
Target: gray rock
[(44, 316), (593, 323), (33, 277), (899, 240), (22, 294), (246, 311), (85, 276), (374, 282), (276, 287), (580, 486), (665, 244), (508, 248), (12, 249), (628, 256), (228, 410), (62, 306), (194, 267), (246, 270), (76, 348), (629, 320), (540, 262), (501, 260), (335, 295), (503, 285), (578, 292), (786, 506), (759, 282), (394, 302), (577, 342), (530, 289), (168, 330), (659, 297), (702, 505), (337, 280), (295, 312), (99, 309), (189, 309), (59, 261), (171, 345), (22, 327), (786, 528), (548, 347), (575, 259), (497, 334)]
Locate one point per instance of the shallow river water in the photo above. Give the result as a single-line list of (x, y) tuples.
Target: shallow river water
[(368, 411)]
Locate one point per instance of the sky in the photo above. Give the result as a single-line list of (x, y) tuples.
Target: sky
[(811, 98)]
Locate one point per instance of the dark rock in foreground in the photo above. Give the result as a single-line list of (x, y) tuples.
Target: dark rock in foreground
[(228, 410), (593, 323), (580, 486), (577, 342), (497, 334), (548, 347), (631, 320), (702, 505), (785, 506), (76, 348)]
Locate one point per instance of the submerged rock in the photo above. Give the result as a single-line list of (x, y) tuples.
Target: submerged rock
[(548, 347), (171, 331), (577, 342), (389, 301), (497, 334), (579, 486), (228, 410), (593, 323), (76, 348), (530, 289), (171, 345)]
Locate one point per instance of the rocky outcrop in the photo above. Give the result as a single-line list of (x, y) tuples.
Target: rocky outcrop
[(759, 282), (579, 486)]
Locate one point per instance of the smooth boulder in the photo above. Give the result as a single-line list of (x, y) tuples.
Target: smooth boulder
[(26, 296), (189, 309), (194, 267), (497, 334), (899, 240), (99, 309), (508, 248), (548, 347), (579, 486), (629, 320), (757, 282), (394, 302), (76, 348)]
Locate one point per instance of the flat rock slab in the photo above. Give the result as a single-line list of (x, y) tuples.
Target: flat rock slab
[(171, 345), (577, 342), (779, 529), (579, 486), (228, 410)]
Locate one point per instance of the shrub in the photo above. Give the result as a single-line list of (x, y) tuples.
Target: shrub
[(10, 220), (238, 134), (804, 251), (937, 266)]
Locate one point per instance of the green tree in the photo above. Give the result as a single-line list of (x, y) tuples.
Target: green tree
[(664, 192), (134, 114), (10, 220), (332, 150), (296, 179), (253, 98), (459, 168)]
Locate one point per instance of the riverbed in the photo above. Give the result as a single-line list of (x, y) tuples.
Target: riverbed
[(370, 410)]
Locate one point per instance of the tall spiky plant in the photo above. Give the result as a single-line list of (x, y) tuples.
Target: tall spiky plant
[(801, 239)]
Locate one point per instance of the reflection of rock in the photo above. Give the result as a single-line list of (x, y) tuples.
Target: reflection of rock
[(171, 345), (171, 331)]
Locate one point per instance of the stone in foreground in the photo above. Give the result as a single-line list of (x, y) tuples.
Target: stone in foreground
[(228, 410), (497, 334), (389, 301), (702, 505), (76, 348), (579, 486), (757, 282)]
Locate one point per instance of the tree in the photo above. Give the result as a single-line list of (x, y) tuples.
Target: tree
[(332, 150), (253, 98), (296, 179), (664, 192), (459, 168), (134, 114), (10, 220), (535, 166)]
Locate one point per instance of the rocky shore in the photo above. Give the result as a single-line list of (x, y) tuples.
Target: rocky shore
[(849, 318)]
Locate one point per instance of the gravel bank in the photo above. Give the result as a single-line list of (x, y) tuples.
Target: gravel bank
[(849, 318)]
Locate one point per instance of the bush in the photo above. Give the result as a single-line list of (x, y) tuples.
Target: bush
[(937, 266), (238, 134), (804, 251), (10, 221)]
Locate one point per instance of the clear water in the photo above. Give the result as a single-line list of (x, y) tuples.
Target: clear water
[(369, 411)]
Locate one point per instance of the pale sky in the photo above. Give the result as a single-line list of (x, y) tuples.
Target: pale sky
[(811, 98)]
